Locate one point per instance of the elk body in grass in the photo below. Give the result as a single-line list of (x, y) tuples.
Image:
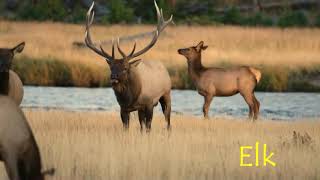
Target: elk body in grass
[(11, 84), (138, 84), (211, 82), (18, 148)]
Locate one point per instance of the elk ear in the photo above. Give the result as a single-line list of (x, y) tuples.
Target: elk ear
[(135, 63), (199, 46), (19, 48), (204, 47)]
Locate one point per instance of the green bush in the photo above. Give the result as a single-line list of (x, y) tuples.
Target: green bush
[(232, 16), (145, 10), (293, 19), (44, 10), (120, 12), (259, 19), (78, 14), (200, 20), (317, 23)]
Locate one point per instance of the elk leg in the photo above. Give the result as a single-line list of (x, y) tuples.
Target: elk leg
[(257, 107), (251, 103), (149, 116), (165, 102), (206, 105), (125, 117), (142, 119), (11, 165)]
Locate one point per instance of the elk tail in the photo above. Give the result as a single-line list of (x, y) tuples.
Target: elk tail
[(256, 73)]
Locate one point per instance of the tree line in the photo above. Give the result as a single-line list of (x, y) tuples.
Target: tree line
[(298, 13)]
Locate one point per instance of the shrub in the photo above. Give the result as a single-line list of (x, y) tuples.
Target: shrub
[(145, 10), (120, 12), (200, 20), (317, 23), (293, 19), (43, 10), (78, 14), (259, 19), (232, 16)]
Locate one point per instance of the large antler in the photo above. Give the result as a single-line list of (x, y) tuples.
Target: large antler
[(162, 24), (88, 40)]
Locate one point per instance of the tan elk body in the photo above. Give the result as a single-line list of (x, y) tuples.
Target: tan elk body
[(211, 82), (138, 84), (18, 148)]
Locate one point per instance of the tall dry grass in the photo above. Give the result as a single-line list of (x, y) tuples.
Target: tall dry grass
[(93, 146), (238, 45)]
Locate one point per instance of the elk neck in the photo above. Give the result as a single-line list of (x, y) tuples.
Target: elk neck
[(128, 92), (195, 67), (4, 83)]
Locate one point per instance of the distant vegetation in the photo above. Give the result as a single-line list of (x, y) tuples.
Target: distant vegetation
[(201, 12), (50, 72)]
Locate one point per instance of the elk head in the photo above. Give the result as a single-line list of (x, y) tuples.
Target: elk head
[(6, 56), (194, 52), (120, 68)]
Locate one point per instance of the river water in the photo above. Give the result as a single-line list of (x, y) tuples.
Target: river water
[(283, 106)]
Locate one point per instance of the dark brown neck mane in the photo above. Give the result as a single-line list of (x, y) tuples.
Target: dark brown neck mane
[(4, 83), (128, 92)]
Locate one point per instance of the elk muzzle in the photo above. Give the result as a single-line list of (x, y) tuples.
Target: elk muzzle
[(114, 79), (182, 51)]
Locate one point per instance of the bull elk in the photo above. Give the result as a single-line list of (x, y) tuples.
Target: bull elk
[(10, 83), (18, 148), (138, 85), (211, 82)]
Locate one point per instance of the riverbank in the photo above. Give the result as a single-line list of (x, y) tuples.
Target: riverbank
[(289, 58), (92, 145), (50, 72)]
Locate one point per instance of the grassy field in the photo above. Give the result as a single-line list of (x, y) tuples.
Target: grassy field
[(93, 146), (278, 52)]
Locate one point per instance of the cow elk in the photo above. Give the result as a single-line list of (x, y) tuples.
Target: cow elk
[(211, 82), (18, 148), (11, 84), (138, 84)]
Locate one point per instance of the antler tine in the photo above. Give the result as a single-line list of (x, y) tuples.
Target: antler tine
[(158, 11), (120, 50), (104, 52), (113, 48), (88, 40), (162, 24), (134, 49)]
